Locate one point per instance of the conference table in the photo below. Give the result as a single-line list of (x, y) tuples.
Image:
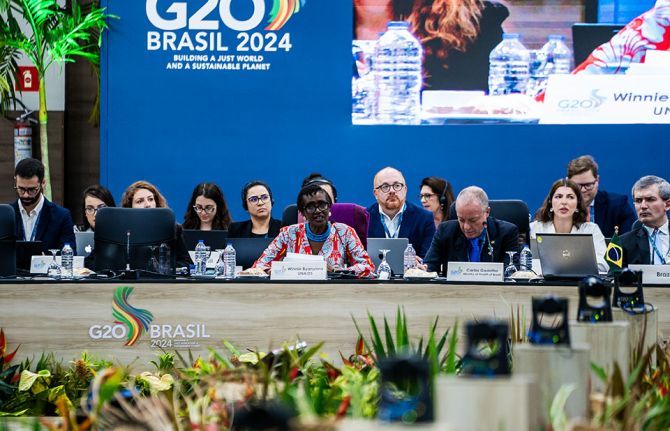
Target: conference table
[(133, 321)]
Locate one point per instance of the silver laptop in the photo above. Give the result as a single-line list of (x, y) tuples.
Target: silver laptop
[(85, 243), (394, 257), (566, 255)]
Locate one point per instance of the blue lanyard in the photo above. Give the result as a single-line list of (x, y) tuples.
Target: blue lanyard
[(387, 232), (34, 232), (657, 252)]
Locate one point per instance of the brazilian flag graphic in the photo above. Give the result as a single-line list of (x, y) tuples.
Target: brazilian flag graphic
[(614, 253)]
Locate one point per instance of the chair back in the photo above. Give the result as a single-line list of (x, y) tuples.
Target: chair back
[(352, 215), (510, 210)]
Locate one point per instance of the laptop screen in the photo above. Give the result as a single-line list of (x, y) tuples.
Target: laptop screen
[(394, 257), (567, 255)]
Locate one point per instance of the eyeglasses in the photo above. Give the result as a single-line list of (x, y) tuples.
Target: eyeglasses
[(426, 196), (587, 186), (30, 191), (385, 188), (257, 199), (94, 210), (319, 206), (206, 209)]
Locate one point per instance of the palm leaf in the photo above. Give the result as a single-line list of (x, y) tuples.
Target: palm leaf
[(390, 346), (450, 365), (377, 344)]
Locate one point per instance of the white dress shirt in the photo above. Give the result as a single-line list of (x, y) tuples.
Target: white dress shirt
[(587, 228), (662, 241), (30, 220), (392, 224)]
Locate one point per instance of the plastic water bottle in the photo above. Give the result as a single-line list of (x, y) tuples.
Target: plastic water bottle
[(67, 258), (164, 266), (229, 261), (509, 64), (526, 259), (409, 257), (398, 78), (554, 58), (363, 82), (200, 258)]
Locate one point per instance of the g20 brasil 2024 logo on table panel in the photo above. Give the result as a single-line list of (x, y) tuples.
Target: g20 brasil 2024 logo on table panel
[(195, 41), (130, 323)]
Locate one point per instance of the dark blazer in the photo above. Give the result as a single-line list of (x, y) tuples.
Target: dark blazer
[(612, 210), (417, 226), (450, 245), (242, 229), (635, 245), (54, 227)]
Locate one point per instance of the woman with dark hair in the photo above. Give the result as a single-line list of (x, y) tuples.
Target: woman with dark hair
[(325, 183), (93, 198), (257, 201), (436, 196), (207, 209), (336, 242), (457, 36), (563, 211)]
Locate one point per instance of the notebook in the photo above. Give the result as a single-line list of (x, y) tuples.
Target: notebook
[(394, 257), (566, 256)]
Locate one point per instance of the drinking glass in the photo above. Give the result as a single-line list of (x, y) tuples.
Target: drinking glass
[(54, 269), (511, 268), (384, 270), (152, 265), (220, 267)]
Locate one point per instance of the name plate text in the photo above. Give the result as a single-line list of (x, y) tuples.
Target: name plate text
[(298, 271), (475, 271), (653, 274)]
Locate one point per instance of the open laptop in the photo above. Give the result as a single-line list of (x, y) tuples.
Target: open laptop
[(586, 37), (566, 256), (248, 250), (215, 239), (394, 257), (85, 243)]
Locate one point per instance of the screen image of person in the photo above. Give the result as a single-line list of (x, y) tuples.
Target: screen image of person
[(257, 201), (94, 198), (37, 218), (336, 242), (457, 36), (649, 241), (207, 209), (436, 195), (564, 211), (143, 194), (474, 236)]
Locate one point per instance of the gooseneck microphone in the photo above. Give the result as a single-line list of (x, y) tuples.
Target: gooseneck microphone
[(128, 250), (488, 241)]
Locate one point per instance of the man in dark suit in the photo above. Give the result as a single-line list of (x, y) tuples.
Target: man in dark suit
[(607, 210), (37, 219), (393, 217), (474, 236), (649, 241)]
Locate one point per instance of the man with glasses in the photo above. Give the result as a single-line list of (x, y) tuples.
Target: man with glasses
[(649, 242), (605, 209), (38, 219), (393, 217)]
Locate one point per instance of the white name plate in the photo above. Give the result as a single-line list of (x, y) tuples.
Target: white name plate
[(475, 271), (298, 271), (653, 274), (39, 264), (606, 99)]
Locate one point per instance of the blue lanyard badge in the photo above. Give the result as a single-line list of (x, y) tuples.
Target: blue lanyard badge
[(657, 252), (387, 232)]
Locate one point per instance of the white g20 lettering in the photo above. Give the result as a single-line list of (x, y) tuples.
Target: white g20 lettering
[(98, 332), (197, 21)]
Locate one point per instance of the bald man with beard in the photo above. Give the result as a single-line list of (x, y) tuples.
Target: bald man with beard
[(393, 217)]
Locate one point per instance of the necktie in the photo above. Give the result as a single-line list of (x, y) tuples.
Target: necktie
[(475, 250)]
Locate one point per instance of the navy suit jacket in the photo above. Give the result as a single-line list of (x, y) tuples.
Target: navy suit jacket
[(54, 227), (417, 226), (635, 245), (450, 245), (612, 210)]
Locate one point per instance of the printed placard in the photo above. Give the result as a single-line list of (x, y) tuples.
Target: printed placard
[(298, 271), (653, 274), (607, 99), (475, 271), (40, 264)]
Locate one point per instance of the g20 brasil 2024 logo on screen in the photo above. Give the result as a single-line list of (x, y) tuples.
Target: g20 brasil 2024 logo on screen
[(215, 36), (130, 323)]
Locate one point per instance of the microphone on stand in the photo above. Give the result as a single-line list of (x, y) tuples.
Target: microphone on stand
[(128, 250), (488, 241)]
